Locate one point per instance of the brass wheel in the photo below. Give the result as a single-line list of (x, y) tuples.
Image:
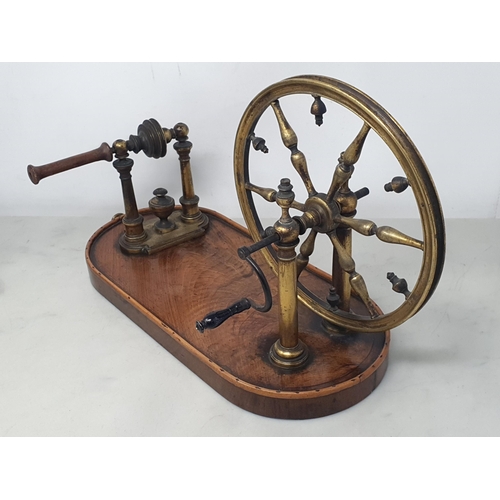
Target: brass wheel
[(337, 201)]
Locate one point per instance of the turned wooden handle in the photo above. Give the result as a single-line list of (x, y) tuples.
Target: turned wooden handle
[(103, 152)]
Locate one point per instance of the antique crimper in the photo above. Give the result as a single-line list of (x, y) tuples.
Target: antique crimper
[(324, 345)]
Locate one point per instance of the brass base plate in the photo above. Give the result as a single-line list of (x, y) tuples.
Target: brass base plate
[(165, 293), (156, 241)]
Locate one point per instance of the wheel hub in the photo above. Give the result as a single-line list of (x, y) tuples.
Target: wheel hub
[(324, 212)]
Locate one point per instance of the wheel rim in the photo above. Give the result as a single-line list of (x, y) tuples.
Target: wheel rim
[(392, 134)]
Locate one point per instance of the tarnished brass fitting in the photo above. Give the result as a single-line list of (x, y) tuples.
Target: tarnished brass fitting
[(287, 228), (120, 148), (347, 200), (289, 357), (318, 109), (181, 131)]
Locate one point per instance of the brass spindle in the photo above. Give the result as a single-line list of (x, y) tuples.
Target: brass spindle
[(268, 194), (189, 201), (288, 351)]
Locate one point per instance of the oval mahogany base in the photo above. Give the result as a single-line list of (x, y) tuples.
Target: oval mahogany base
[(167, 292)]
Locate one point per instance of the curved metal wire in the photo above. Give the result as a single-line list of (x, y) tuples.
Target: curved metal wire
[(265, 287)]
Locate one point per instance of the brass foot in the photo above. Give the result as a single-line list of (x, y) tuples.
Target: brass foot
[(288, 357)]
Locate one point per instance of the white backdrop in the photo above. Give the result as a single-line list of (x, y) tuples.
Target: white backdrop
[(51, 111)]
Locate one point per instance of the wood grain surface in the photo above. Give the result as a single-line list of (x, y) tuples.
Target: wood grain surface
[(166, 293)]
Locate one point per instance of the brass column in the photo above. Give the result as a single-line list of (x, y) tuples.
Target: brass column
[(340, 277), (288, 351), (133, 220), (189, 201), (287, 290), (347, 202)]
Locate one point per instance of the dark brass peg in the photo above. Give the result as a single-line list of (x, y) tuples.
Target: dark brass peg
[(333, 298), (398, 185), (259, 144), (361, 193), (399, 285), (318, 109)]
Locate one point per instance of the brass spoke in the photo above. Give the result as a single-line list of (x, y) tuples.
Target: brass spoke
[(359, 286), (268, 194), (341, 175), (356, 280), (345, 260), (387, 234), (391, 235), (347, 159), (353, 152), (290, 141), (306, 249), (361, 226), (298, 206)]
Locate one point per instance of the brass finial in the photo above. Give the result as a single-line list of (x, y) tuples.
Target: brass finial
[(120, 148), (181, 131), (398, 185), (318, 109), (399, 285), (162, 206), (333, 298), (259, 144)]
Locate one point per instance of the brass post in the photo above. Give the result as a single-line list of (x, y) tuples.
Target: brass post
[(288, 351), (133, 220), (347, 202), (188, 200), (340, 277), (287, 290)]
